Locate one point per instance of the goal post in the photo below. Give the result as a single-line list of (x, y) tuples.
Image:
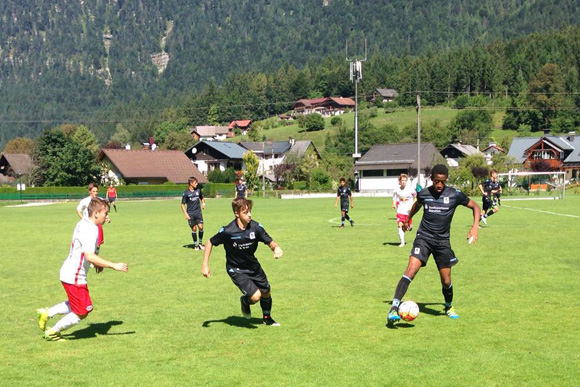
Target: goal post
[(533, 185)]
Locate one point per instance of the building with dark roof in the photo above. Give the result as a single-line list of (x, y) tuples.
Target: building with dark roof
[(380, 167), (13, 165), (454, 152), (210, 155)]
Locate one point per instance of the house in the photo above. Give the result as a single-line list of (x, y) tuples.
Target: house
[(327, 107), (210, 155), (492, 150), (14, 165), (273, 153), (380, 167), (211, 133), (454, 152), (243, 125), (150, 167), (387, 95), (561, 153)]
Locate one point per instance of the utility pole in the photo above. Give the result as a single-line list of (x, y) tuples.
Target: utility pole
[(356, 76), (419, 138)]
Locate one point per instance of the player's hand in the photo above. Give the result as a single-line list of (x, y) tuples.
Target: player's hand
[(406, 225), (205, 271), (203, 206), (120, 266), (472, 236), (187, 217), (278, 252)]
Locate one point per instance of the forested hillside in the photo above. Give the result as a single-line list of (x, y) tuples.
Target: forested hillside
[(106, 63)]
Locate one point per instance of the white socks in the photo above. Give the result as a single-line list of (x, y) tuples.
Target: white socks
[(66, 322), (401, 235), (61, 308)]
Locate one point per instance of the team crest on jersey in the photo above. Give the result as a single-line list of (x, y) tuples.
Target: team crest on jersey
[(252, 235), (446, 200)]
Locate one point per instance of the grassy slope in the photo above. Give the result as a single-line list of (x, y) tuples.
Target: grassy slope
[(164, 324)]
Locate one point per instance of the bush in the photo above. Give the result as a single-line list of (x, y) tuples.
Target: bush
[(313, 122), (335, 121), (227, 176)]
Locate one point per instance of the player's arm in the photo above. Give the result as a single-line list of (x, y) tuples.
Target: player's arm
[(480, 186), (351, 201), (206, 254), (476, 214), (103, 263), (202, 203), (395, 200), (336, 201), (414, 209), (275, 249), (184, 209)]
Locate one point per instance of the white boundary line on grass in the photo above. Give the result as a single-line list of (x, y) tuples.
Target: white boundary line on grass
[(542, 211)]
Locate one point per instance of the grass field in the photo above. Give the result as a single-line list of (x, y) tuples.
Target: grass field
[(164, 324)]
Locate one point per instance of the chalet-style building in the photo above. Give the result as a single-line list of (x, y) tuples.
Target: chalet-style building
[(492, 150), (387, 95), (210, 155), (327, 107), (14, 165), (273, 153), (149, 167), (380, 167), (454, 152), (211, 133), (561, 153), (243, 125)]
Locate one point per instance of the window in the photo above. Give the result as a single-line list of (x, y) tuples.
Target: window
[(373, 173), (395, 172)]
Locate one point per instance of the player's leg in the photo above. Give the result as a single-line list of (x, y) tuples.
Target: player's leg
[(200, 233), (342, 216), (250, 292), (412, 269), (45, 314), (492, 211), (445, 259), (261, 281), (193, 227), (400, 220), (486, 206), (79, 305)]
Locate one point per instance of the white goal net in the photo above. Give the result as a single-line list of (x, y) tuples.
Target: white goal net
[(532, 185)]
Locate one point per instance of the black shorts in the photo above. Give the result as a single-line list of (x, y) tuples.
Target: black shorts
[(488, 203), (194, 220), (249, 281), (442, 253), (111, 200), (344, 209)]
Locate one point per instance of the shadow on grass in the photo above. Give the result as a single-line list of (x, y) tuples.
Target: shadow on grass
[(189, 246), (236, 321), (397, 325), (392, 244), (424, 307), (94, 329)]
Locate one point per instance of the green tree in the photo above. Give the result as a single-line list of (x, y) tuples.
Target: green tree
[(313, 122), (178, 141), (546, 92), (87, 139), (20, 145), (307, 165), (252, 164)]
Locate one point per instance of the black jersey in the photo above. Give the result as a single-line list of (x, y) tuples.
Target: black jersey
[(490, 185), (193, 200), (438, 210), (241, 190), (240, 245), (344, 194)]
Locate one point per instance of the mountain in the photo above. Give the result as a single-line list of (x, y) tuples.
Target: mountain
[(93, 61)]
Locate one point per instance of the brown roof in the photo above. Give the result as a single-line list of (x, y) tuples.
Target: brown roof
[(170, 164), (20, 163)]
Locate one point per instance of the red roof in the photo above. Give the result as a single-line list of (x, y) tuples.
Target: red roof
[(172, 165), (343, 101), (240, 124)]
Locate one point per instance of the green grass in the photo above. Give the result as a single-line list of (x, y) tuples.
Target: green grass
[(164, 324)]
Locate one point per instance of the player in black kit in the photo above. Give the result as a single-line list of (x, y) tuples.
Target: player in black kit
[(241, 189), (344, 195), (439, 202), (192, 203), (240, 239), (490, 190)]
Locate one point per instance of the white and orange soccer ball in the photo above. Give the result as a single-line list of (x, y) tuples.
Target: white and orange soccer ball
[(408, 310)]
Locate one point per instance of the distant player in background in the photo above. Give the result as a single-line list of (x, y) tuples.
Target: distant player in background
[(240, 239), (403, 199), (82, 211), (439, 203), (241, 189), (345, 196), (491, 191), (112, 196), (192, 203), (73, 273)]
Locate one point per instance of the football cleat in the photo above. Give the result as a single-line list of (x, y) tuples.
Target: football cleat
[(51, 335), (450, 312), (42, 318), (201, 247), (402, 244), (196, 247), (342, 225), (268, 320), (393, 316), (483, 220), (352, 223), (246, 311)]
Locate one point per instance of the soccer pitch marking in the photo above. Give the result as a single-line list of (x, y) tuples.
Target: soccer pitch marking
[(542, 211), (337, 221)]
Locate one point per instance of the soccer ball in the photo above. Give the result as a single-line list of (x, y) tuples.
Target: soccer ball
[(408, 310)]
